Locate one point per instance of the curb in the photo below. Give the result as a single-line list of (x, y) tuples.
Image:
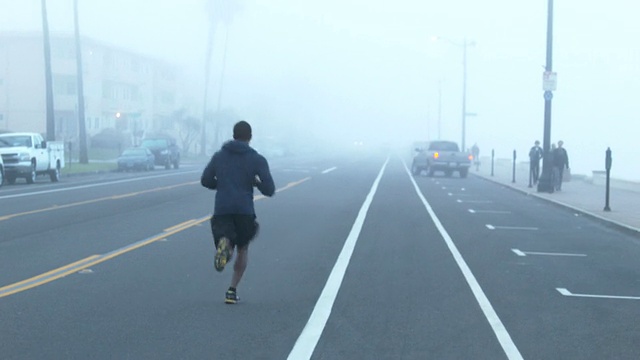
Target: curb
[(622, 226)]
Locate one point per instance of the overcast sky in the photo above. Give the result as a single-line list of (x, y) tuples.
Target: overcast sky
[(369, 69)]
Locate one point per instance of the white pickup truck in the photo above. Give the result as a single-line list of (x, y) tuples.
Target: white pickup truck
[(28, 155)]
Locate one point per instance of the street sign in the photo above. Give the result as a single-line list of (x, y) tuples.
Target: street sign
[(548, 95), (549, 81)]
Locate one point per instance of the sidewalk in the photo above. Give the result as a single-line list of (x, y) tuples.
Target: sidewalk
[(582, 194)]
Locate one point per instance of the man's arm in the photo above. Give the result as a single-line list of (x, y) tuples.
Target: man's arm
[(208, 178), (266, 184)]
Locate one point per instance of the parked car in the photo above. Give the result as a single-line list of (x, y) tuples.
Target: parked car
[(28, 155), (165, 150), (442, 156), (137, 158)]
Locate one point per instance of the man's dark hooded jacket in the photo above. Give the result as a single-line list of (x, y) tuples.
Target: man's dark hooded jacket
[(232, 172)]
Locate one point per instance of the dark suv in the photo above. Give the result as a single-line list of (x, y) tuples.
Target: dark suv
[(165, 150)]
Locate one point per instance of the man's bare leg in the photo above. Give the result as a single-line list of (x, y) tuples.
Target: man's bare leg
[(240, 266)]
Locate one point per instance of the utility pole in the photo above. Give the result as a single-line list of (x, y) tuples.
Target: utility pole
[(84, 156), (51, 126)]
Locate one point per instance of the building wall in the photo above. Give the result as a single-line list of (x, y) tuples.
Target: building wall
[(122, 89)]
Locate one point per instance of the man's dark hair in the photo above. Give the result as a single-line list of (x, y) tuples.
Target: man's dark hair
[(242, 131)]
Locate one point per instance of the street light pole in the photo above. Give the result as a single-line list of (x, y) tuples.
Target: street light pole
[(464, 94), (439, 107), (545, 183), (464, 47)]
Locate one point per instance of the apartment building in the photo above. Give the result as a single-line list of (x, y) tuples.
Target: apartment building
[(122, 89)]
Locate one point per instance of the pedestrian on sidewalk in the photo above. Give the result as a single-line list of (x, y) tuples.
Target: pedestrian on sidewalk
[(554, 167), (233, 172), (561, 162), (535, 154)]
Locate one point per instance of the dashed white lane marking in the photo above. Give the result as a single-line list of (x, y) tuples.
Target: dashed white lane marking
[(308, 339), (525, 253), (473, 211), (497, 227), (329, 170), (474, 201), (566, 292), (508, 346), (452, 194)]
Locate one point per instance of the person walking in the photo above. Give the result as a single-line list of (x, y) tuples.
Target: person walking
[(561, 162), (233, 172), (475, 152), (535, 154)]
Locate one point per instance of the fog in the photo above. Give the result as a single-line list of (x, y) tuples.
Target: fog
[(355, 70)]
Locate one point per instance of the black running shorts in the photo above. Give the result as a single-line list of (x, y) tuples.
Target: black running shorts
[(240, 229)]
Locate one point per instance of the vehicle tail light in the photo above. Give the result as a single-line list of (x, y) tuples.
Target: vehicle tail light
[(436, 155), (471, 157)]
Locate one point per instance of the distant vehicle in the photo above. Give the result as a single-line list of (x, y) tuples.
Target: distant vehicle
[(442, 156), (137, 158), (28, 155), (165, 150)]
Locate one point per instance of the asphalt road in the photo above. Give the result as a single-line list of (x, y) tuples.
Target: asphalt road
[(356, 259)]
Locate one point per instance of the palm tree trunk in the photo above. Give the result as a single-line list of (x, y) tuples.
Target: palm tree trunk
[(51, 126), (84, 156), (207, 76)]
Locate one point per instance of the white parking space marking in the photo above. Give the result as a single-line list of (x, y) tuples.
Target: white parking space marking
[(329, 170), (566, 292), (508, 346), (525, 253), (497, 227), (473, 211), (308, 339)]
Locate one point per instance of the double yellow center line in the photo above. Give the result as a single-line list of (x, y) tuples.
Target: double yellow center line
[(97, 259)]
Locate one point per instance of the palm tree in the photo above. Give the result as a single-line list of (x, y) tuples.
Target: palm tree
[(51, 126), (84, 157), (220, 12)]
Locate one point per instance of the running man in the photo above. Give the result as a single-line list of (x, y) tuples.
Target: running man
[(233, 171)]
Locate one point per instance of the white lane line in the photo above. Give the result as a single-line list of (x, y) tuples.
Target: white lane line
[(518, 252), (508, 346), (495, 227), (566, 292), (329, 170), (95, 185), (473, 211), (475, 201), (525, 253), (308, 339), (452, 194)]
